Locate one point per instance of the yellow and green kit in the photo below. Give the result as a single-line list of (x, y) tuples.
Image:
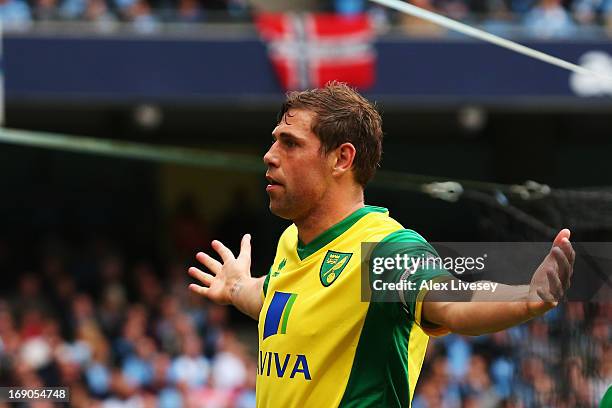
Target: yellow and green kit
[(320, 345)]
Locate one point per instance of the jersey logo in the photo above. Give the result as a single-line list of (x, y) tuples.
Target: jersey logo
[(281, 265), (298, 362), (278, 313), (332, 266)]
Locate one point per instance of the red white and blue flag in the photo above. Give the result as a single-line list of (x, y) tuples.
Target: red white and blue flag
[(309, 50)]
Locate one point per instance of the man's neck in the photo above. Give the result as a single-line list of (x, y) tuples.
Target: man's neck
[(324, 217)]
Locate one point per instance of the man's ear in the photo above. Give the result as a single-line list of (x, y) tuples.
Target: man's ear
[(344, 158)]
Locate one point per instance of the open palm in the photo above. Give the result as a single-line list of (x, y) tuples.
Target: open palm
[(551, 280), (225, 276)]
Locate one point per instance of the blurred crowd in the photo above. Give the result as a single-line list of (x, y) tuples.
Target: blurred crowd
[(122, 331), (562, 360), (156, 347), (533, 18), (144, 16)]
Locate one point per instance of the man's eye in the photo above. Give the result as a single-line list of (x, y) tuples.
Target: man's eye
[(290, 143)]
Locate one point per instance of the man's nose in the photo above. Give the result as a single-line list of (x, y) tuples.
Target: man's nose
[(271, 158)]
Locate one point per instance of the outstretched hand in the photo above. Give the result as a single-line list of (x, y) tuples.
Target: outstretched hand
[(551, 280), (225, 277)]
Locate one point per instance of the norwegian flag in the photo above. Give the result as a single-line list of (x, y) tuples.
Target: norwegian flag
[(309, 50)]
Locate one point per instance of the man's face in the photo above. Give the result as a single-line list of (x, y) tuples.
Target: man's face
[(298, 171)]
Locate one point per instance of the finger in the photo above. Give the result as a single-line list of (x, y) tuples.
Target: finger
[(245, 247), (200, 290), (546, 296), (572, 253), (554, 285), (564, 233), (568, 250), (211, 263), (566, 247), (564, 267), (223, 251), (203, 277)]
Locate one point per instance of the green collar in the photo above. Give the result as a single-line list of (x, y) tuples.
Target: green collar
[(304, 251)]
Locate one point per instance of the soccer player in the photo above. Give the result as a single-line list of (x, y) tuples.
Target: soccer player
[(319, 344)]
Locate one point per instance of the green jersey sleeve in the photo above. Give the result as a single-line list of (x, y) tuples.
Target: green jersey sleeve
[(408, 250)]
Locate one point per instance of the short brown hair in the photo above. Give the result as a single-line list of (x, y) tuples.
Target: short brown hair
[(343, 115)]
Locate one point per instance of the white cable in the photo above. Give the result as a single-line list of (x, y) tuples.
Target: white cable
[(488, 37)]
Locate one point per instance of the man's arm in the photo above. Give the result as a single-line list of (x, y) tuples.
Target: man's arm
[(230, 282), (483, 314)]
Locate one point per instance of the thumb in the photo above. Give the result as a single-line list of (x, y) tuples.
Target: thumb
[(245, 247)]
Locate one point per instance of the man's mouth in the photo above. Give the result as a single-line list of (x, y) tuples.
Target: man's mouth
[(272, 183)]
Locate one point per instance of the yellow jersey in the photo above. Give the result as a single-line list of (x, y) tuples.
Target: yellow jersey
[(320, 345)]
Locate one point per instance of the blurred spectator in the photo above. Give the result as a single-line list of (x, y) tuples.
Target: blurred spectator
[(73, 9), (418, 27), (216, 324), (228, 370), (112, 309), (349, 7), (98, 371), (96, 11), (15, 14), (28, 296), (549, 20), (147, 285), (165, 328), (238, 8), (46, 10), (133, 329), (591, 11), (477, 386), (138, 366), (189, 11), (141, 17), (190, 369)]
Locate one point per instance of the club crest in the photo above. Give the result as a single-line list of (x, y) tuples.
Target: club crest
[(332, 266)]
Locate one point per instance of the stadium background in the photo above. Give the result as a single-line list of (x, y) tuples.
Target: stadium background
[(93, 249)]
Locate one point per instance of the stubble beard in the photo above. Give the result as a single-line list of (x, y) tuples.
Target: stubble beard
[(285, 207)]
